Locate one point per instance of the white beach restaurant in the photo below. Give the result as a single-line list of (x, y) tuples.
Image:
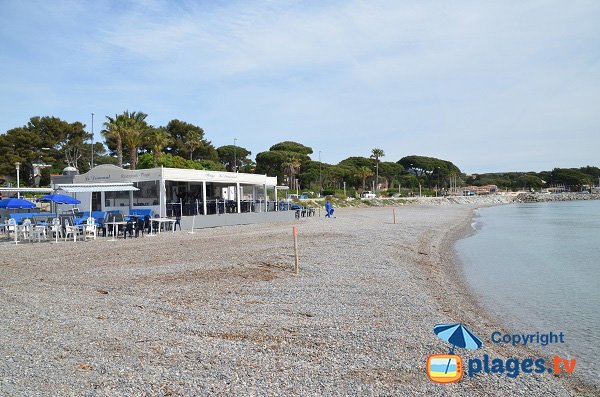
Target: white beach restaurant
[(193, 195)]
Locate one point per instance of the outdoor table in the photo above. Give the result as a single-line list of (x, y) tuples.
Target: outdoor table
[(80, 229), (162, 221), (115, 228)]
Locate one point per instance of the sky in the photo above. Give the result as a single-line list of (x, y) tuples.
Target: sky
[(491, 86)]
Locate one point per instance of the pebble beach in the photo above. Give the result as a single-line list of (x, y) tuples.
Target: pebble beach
[(221, 312)]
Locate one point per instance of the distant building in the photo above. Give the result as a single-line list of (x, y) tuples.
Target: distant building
[(480, 190)]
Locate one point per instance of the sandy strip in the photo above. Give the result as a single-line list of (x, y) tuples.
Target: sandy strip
[(219, 312)]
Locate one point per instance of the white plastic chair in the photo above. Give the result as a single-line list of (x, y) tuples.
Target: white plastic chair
[(56, 228), (72, 230), (26, 229), (90, 228), (38, 231), (11, 227)]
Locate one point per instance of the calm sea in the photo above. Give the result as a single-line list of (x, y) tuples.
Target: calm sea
[(537, 268)]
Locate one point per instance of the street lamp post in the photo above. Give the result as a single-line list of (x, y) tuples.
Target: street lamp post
[(234, 154), (437, 187), (92, 161), (18, 167)]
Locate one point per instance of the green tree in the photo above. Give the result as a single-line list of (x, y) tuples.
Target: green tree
[(363, 173), (188, 140), (193, 141), (157, 139), (357, 162), (592, 172), (271, 162), (391, 172), (146, 160), (353, 164), (289, 146), (500, 180), (408, 180), (427, 167), (571, 178), (47, 139), (229, 154), (135, 131), (530, 181), (211, 165), (376, 154), (292, 165), (113, 132)]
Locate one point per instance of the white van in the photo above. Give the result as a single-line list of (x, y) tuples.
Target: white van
[(367, 194)]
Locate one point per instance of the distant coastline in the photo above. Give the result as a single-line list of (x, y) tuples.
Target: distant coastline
[(482, 200)]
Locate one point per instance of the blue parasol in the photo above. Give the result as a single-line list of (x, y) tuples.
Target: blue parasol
[(59, 199), (458, 335), (14, 203)]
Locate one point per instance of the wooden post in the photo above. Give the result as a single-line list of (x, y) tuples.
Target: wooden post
[(394, 212), (295, 250)]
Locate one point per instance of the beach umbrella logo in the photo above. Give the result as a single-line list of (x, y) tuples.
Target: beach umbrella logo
[(458, 336), (448, 368)]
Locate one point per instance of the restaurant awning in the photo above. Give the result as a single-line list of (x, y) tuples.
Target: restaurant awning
[(97, 187), (26, 189)]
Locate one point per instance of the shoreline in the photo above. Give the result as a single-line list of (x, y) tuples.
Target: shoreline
[(477, 312), (220, 311)]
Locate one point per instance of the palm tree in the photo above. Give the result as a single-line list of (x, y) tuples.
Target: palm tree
[(376, 154), (364, 172), (114, 128), (135, 130), (157, 139), (193, 140), (292, 165)]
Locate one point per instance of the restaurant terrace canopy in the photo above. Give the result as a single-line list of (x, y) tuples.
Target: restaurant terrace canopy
[(91, 188), (173, 191)]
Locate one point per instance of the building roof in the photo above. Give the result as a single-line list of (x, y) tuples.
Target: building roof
[(112, 173)]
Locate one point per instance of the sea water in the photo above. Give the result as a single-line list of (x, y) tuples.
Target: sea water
[(536, 267)]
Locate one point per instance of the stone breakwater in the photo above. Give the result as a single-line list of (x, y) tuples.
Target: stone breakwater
[(484, 200), (494, 199), (540, 198)]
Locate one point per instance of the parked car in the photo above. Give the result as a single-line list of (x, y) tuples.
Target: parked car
[(295, 206), (367, 194)]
